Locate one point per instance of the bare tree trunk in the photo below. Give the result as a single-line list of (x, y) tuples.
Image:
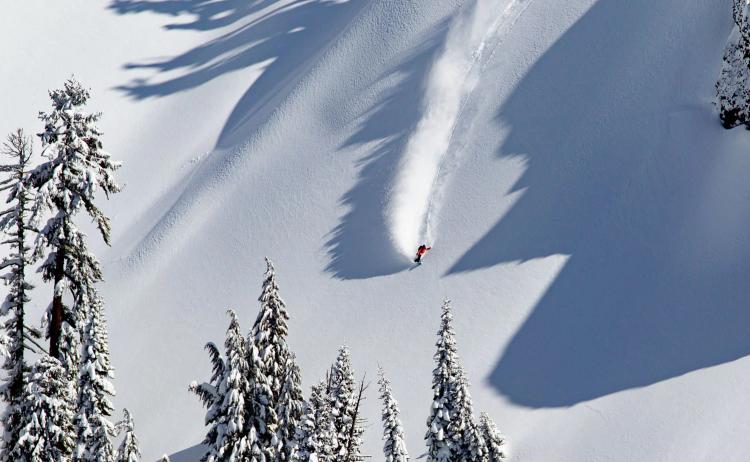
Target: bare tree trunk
[(355, 419), (55, 325)]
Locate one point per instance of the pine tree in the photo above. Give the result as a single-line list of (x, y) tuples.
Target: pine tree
[(394, 448), (94, 390), (259, 438), (733, 86), (48, 435), (76, 168), (289, 410), (494, 441), (325, 426), (14, 225), (443, 440), (463, 424), (356, 427), (226, 397), (453, 433), (306, 442), (272, 362), (129, 450), (344, 404), (316, 436)]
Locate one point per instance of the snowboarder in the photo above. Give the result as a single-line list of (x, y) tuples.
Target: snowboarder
[(420, 253)]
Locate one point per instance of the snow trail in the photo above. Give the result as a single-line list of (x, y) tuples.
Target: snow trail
[(416, 194)]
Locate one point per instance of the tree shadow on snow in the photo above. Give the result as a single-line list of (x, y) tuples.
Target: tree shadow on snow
[(639, 185), (285, 37), (360, 246)]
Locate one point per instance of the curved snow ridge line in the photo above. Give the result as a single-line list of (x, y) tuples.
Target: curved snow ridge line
[(454, 75)]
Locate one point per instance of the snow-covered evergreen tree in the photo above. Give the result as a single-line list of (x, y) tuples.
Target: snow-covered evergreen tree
[(394, 446), (94, 391), (49, 434), (493, 439), (129, 450), (344, 405), (463, 424), (13, 224), (289, 409), (272, 362), (305, 438), (443, 440), (260, 439), (316, 436), (226, 397), (76, 168), (453, 433), (210, 395), (733, 86), (268, 355)]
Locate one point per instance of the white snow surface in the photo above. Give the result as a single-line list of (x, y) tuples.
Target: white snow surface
[(589, 215)]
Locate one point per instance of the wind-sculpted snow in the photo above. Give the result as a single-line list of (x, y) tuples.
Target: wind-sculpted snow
[(414, 202)]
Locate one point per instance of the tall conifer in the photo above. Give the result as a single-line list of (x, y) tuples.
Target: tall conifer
[(94, 429), (49, 434), (67, 182), (226, 397), (274, 376), (13, 224), (394, 445)]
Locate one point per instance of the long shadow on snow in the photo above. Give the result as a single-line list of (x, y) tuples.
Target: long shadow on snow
[(360, 247), (619, 167), (286, 38), (208, 14)]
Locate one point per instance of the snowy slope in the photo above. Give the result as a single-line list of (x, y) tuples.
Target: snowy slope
[(589, 215)]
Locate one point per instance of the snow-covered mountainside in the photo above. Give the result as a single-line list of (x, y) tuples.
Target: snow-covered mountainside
[(589, 216)]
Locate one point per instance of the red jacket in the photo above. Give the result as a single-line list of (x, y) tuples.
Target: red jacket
[(423, 249)]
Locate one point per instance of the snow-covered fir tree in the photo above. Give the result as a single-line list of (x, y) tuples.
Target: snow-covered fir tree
[(129, 450), (49, 434), (67, 182), (394, 446), (463, 424), (493, 439), (260, 437), (733, 86), (453, 433), (272, 365), (344, 405), (13, 224), (305, 440), (226, 396), (316, 436), (443, 435), (289, 409), (94, 428)]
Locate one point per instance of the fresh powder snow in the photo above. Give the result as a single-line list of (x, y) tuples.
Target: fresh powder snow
[(589, 215)]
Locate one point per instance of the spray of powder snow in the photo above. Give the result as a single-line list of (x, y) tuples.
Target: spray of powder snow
[(453, 76)]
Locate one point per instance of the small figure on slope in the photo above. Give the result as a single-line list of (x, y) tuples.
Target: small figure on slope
[(421, 251)]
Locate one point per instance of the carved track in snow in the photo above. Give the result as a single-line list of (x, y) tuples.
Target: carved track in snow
[(418, 188)]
